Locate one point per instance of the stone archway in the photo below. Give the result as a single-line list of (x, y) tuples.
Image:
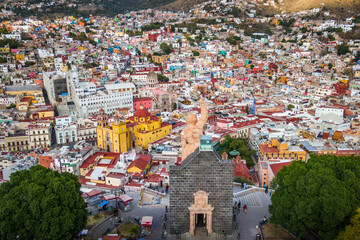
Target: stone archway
[(201, 207)]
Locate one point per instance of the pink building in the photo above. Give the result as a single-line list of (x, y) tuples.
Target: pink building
[(268, 171)]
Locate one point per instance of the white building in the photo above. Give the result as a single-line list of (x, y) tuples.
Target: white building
[(89, 100), (8, 100), (90, 105), (14, 36), (39, 135), (320, 111), (55, 85), (65, 130)]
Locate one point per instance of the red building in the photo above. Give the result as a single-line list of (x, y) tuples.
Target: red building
[(145, 102), (341, 87), (240, 169), (153, 36)]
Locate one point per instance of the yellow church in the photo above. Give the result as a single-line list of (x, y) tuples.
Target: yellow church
[(114, 137), (147, 128), (137, 131)]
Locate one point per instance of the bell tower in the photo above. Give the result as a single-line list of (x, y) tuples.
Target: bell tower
[(102, 119)]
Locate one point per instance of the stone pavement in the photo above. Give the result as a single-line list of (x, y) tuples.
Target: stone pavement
[(257, 202), (136, 212), (247, 222)]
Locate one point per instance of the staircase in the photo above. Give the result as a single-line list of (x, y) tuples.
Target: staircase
[(248, 197), (200, 233)]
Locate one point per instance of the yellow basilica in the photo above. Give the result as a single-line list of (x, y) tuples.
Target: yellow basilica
[(137, 131), (114, 137), (147, 128)]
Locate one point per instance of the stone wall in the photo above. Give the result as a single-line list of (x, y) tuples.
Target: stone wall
[(202, 170)]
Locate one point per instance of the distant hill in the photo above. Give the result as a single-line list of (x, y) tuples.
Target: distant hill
[(347, 7), (182, 5), (85, 7)]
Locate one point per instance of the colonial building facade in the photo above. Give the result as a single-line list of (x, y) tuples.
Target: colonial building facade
[(113, 137)]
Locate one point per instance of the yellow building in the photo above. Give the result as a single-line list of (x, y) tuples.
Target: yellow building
[(114, 137), (160, 59), (41, 112), (20, 57), (5, 49), (17, 142), (146, 128), (274, 151), (29, 90)]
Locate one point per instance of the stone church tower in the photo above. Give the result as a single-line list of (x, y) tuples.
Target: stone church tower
[(201, 192), (152, 80)]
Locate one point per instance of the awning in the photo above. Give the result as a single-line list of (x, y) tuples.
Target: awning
[(103, 203), (147, 221), (125, 198)]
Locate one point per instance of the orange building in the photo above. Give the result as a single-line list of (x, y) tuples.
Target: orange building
[(46, 160)]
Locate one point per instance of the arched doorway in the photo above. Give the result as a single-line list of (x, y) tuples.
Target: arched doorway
[(201, 213)]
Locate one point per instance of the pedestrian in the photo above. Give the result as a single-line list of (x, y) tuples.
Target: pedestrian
[(161, 183), (245, 208), (239, 205), (270, 191), (167, 189), (235, 205), (266, 189), (244, 185)]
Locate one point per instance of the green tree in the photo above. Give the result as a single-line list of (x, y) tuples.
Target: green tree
[(196, 53), (330, 65), (229, 144), (12, 105), (342, 49), (162, 78), (231, 41), (290, 106), (320, 195), (174, 106), (351, 231), (41, 204), (243, 180), (165, 48)]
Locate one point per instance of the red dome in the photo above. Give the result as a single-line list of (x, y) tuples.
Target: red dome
[(141, 112)]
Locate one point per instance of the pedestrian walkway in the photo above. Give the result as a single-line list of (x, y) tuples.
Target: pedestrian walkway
[(250, 199), (256, 211)]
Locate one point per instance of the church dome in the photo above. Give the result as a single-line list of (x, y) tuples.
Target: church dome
[(141, 113)]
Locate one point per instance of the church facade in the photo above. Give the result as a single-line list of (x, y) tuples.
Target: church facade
[(201, 193), (112, 137), (147, 128)]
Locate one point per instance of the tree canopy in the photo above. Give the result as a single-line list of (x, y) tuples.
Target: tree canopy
[(351, 231), (41, 204), (165, 48), (162, 78), (230, 144), (343, 49), (320, 195)]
